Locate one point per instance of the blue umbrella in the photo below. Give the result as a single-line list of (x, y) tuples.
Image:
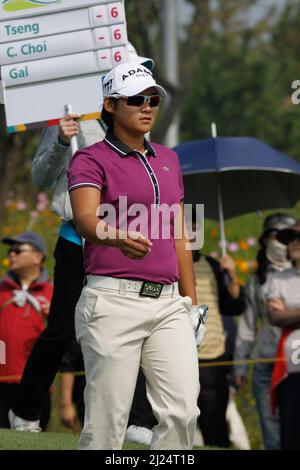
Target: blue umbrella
[(236, 175)]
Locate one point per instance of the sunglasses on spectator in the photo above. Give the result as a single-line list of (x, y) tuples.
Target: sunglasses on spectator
[(18, 251), (294, 237), (139, 100)]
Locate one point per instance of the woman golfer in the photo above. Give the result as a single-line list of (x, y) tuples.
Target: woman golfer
[(135, 307)]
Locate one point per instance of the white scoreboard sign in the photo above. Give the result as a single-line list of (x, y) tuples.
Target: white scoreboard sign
[(54, 53)]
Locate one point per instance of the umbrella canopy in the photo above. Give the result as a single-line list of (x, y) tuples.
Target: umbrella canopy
[(247, 173)]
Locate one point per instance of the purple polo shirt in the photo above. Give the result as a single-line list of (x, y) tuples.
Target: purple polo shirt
[(153, 179)]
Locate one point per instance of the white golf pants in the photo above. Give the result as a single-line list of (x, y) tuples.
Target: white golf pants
[(119, 331)]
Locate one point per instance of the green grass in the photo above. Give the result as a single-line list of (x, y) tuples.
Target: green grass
[(247, 408), (16, 440)]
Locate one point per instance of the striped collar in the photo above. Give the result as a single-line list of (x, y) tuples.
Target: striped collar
[(122, 149)]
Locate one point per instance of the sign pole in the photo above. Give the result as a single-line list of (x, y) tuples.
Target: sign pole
[(74, 140)]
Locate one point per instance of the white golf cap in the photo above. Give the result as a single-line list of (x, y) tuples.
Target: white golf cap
[(129, 79), (133, 56)]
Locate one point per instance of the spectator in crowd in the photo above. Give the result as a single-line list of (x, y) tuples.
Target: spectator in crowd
[(284, 311), (237, 432), (49, 169), (25, 296), (216, 286), (256, 335), (72, 384)]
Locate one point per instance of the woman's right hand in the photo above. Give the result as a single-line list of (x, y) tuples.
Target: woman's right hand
[(240, 381), (134, 245), (68, 415)]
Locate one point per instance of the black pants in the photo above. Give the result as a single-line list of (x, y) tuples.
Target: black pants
[(7, 394), (73, 362), (141, 412), (78, 397), (47, 353), (212, 402), (289, 412)]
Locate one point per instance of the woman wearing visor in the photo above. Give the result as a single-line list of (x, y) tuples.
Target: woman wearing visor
[(257, 338), (284, 311), (136, 307)]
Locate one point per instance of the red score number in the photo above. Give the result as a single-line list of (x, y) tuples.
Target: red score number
[(117, 56), (114, 12), (117, 34)]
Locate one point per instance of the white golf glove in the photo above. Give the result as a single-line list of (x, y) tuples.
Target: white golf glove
[(198, 316)]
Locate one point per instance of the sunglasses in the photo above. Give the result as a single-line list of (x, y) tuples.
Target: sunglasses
[(294, 237), (139, 100), (18, 251)]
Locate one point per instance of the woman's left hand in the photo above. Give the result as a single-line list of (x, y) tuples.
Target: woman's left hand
[(226, 262)]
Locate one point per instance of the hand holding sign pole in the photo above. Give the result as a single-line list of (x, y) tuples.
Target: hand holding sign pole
[(74, 140)]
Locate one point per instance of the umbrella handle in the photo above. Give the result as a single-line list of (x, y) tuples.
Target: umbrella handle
[(222, 231), (221, 219), (220, 202)]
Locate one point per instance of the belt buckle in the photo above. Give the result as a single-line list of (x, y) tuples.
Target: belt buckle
[(151, 289)]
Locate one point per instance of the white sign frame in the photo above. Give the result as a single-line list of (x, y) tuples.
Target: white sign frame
[(36, 91), (59, 5)]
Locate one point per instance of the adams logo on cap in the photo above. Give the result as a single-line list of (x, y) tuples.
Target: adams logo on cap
[(138, 72)]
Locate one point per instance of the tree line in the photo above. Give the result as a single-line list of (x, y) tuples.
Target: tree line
[(233, 71)]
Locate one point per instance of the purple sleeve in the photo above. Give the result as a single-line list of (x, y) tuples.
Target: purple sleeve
[(85, 170)]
